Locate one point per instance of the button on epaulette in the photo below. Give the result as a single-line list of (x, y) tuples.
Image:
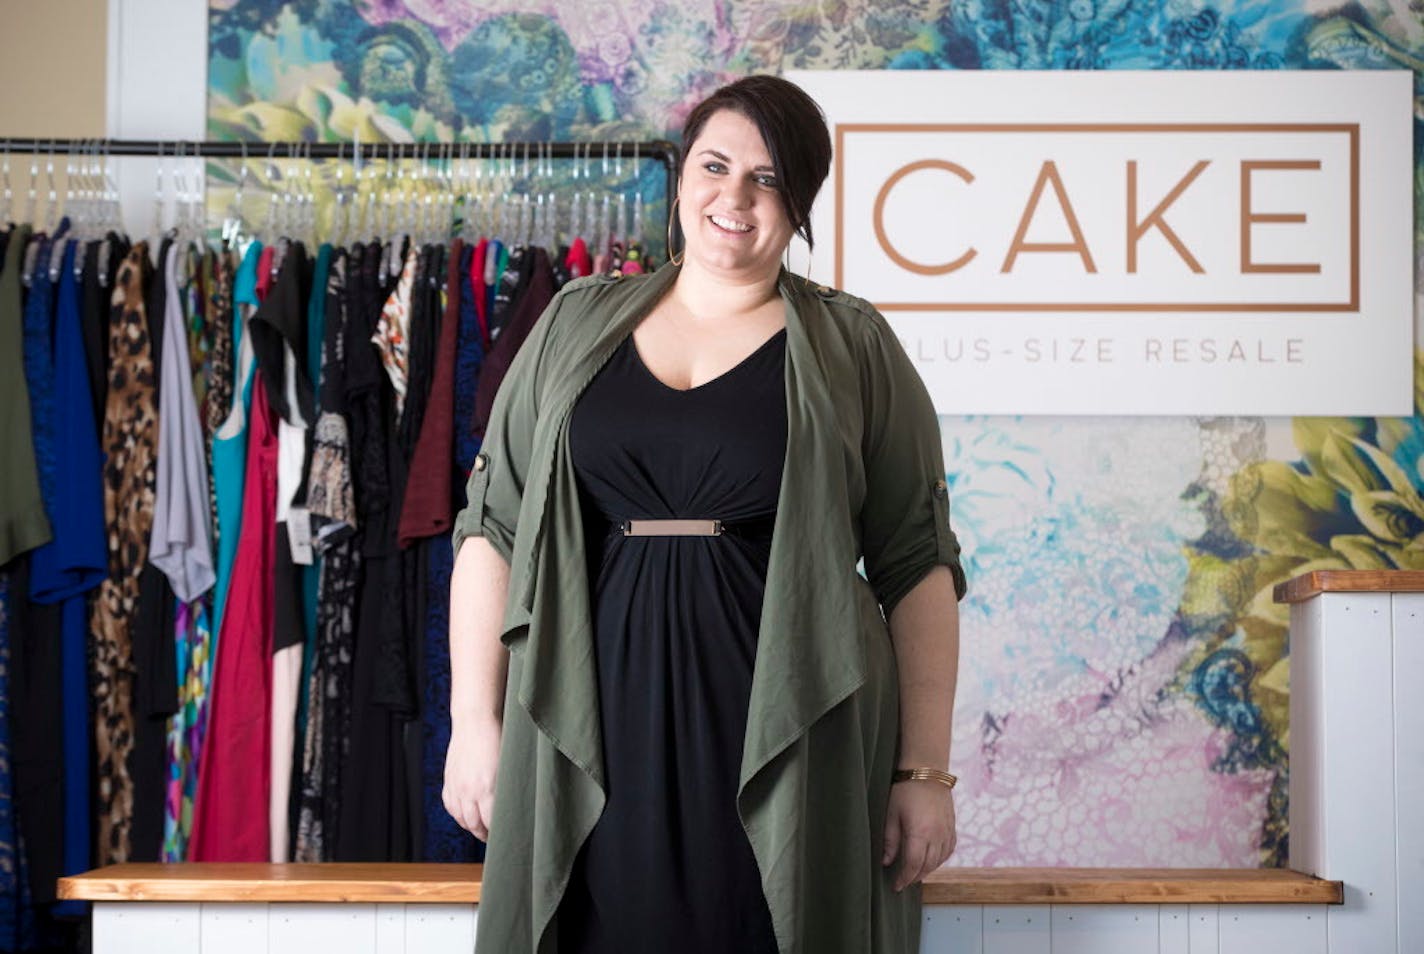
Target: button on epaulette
[(610, 276), (940, 488), (825, 291), (481, 461)]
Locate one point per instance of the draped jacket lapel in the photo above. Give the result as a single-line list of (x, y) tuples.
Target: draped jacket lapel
[(811, 652)]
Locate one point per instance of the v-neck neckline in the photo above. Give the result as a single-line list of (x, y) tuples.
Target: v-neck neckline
[(638, 360)]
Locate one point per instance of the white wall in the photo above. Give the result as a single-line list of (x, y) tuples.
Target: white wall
[(157, 89)]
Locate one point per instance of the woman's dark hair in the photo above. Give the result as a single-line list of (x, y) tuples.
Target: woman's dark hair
[(793, 128)]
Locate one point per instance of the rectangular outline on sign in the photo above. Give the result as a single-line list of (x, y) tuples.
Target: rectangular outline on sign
[(1352, 130)]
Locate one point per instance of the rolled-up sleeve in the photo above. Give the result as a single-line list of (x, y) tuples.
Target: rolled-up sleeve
[(495, 488), (905, 525)]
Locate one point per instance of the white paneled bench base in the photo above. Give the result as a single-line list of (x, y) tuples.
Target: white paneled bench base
[(434, 909), (1357, 750)]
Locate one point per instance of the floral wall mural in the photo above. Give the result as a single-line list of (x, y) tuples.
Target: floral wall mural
[(1124, 683)]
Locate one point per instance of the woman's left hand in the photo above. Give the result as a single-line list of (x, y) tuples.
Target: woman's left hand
[(919, 829)]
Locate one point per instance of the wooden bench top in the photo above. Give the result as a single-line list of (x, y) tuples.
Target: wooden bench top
[(1306, 585), (454, 883)]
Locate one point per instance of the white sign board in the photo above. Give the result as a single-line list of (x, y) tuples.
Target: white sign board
[(1130, 243)]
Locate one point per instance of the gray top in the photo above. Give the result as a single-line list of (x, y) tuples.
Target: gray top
[(181, 541)]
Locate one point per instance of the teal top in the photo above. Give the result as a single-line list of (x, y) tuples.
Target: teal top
[(230, 441)]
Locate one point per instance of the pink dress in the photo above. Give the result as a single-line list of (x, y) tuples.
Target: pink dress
[(230, 821)]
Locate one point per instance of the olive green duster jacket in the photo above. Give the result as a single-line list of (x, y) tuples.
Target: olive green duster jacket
[(864, 475)]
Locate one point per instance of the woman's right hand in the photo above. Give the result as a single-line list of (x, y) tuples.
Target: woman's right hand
[(471, 763)]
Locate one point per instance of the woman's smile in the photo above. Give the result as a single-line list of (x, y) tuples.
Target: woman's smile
[(729, 225)]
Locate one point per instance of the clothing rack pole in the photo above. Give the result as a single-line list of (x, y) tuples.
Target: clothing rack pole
[(660, 149)]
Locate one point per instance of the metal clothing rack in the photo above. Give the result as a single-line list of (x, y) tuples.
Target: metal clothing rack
[(659, 149)]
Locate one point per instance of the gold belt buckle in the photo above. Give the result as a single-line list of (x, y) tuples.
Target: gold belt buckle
[(672, 528)]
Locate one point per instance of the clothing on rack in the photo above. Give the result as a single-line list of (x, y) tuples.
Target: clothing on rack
[(181, 540), (77, 561), (23, 524), (229, 445), (425, 512), (331, 504), (229, 586), (129, 442), (197, 621), (445, 453), (46, 700), (230, 819), (17, 916), (74, 561), (35, 666)]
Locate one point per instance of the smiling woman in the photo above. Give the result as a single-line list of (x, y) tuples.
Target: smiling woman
[(729, 205), (788, 132), (755, 155), (695, 747)]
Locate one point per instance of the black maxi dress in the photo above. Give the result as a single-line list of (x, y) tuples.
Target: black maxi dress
[(668, 867)]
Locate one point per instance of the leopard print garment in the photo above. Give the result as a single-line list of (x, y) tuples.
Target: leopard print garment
[(218, 370), (130, 476)]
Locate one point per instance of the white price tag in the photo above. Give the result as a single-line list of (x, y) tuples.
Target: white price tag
[(299, 535)]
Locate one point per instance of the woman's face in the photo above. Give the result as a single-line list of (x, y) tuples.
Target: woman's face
[(730, 205)]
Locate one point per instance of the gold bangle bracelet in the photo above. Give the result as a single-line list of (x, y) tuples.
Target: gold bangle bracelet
[(929, 774)]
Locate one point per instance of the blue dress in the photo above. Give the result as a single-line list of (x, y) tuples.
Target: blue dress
[(76, 560), (67, 438)]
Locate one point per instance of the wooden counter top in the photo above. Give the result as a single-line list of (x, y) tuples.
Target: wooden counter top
[(1129, 886), (1311, 584), (454, 883), (251, 881)]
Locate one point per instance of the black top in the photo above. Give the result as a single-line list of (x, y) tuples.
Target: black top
[(668, 866)]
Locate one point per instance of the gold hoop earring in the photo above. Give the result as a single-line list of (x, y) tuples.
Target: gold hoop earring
[(672, 216)]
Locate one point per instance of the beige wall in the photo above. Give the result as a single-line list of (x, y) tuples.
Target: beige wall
[(52, 67)]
